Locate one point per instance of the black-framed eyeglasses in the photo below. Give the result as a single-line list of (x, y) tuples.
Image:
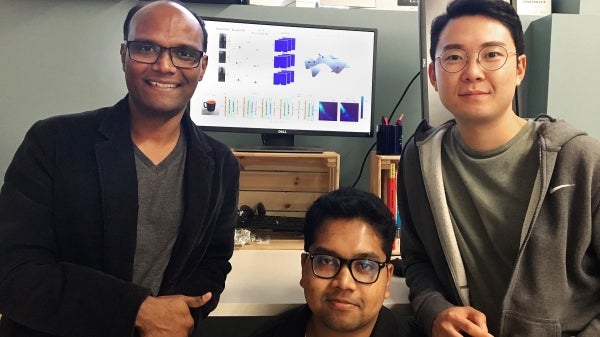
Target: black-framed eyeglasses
[(362, 270), (148, 52), (490, 58)]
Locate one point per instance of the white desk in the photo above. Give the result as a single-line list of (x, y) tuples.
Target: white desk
[(266, 282)]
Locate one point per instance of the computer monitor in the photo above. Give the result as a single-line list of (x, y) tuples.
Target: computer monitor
[(284, 79)]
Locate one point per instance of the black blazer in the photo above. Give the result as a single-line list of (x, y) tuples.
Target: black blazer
[(68, 222)]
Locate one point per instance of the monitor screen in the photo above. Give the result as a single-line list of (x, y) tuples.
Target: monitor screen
[(282, 79)]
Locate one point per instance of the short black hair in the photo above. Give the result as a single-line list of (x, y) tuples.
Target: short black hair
[(351, 203), (141, 4), (499, 10)]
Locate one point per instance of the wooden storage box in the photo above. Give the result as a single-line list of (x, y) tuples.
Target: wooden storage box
[(286, 183), (379, 167)]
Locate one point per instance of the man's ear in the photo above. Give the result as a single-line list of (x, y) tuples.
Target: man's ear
[(432, 77), (521, 67), (390, 273), (123, 53), (303, 258), (203, 64)]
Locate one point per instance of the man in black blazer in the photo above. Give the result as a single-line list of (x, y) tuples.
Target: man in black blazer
[(120, 221)]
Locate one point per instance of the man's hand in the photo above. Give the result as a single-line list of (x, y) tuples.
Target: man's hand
[(168, 316), (453, 321)]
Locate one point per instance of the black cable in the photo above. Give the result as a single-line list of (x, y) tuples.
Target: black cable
[(404, 94), (362, 166)]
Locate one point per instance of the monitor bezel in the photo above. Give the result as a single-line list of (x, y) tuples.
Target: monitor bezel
[(292, 132)]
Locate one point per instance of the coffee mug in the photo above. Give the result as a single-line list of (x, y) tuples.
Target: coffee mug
[(210, 105)]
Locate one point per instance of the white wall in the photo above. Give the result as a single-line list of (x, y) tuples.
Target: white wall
[(564, 69)]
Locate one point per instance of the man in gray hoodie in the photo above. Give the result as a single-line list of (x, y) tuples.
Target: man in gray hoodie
[(500, 215)]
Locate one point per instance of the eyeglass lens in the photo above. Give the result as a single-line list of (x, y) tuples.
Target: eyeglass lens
[(362, 270), (146, 52), (490, 58)]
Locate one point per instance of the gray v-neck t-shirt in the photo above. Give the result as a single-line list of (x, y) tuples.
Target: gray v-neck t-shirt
[(160, 210), (488, 194)]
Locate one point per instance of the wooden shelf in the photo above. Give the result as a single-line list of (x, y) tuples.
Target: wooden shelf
[(286, 184), (379, 167), (379, 171)]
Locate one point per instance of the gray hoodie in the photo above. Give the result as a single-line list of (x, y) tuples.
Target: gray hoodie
[(555, 286)]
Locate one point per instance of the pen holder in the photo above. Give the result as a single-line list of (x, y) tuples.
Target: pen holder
[(389, 139)]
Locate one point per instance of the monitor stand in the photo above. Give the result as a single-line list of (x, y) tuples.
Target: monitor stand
[(278, 143), (269, 148)]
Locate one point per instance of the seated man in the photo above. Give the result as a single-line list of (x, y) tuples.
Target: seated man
[(346, 272)]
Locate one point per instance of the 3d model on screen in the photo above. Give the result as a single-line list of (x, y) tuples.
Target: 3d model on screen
[(336, 64)]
